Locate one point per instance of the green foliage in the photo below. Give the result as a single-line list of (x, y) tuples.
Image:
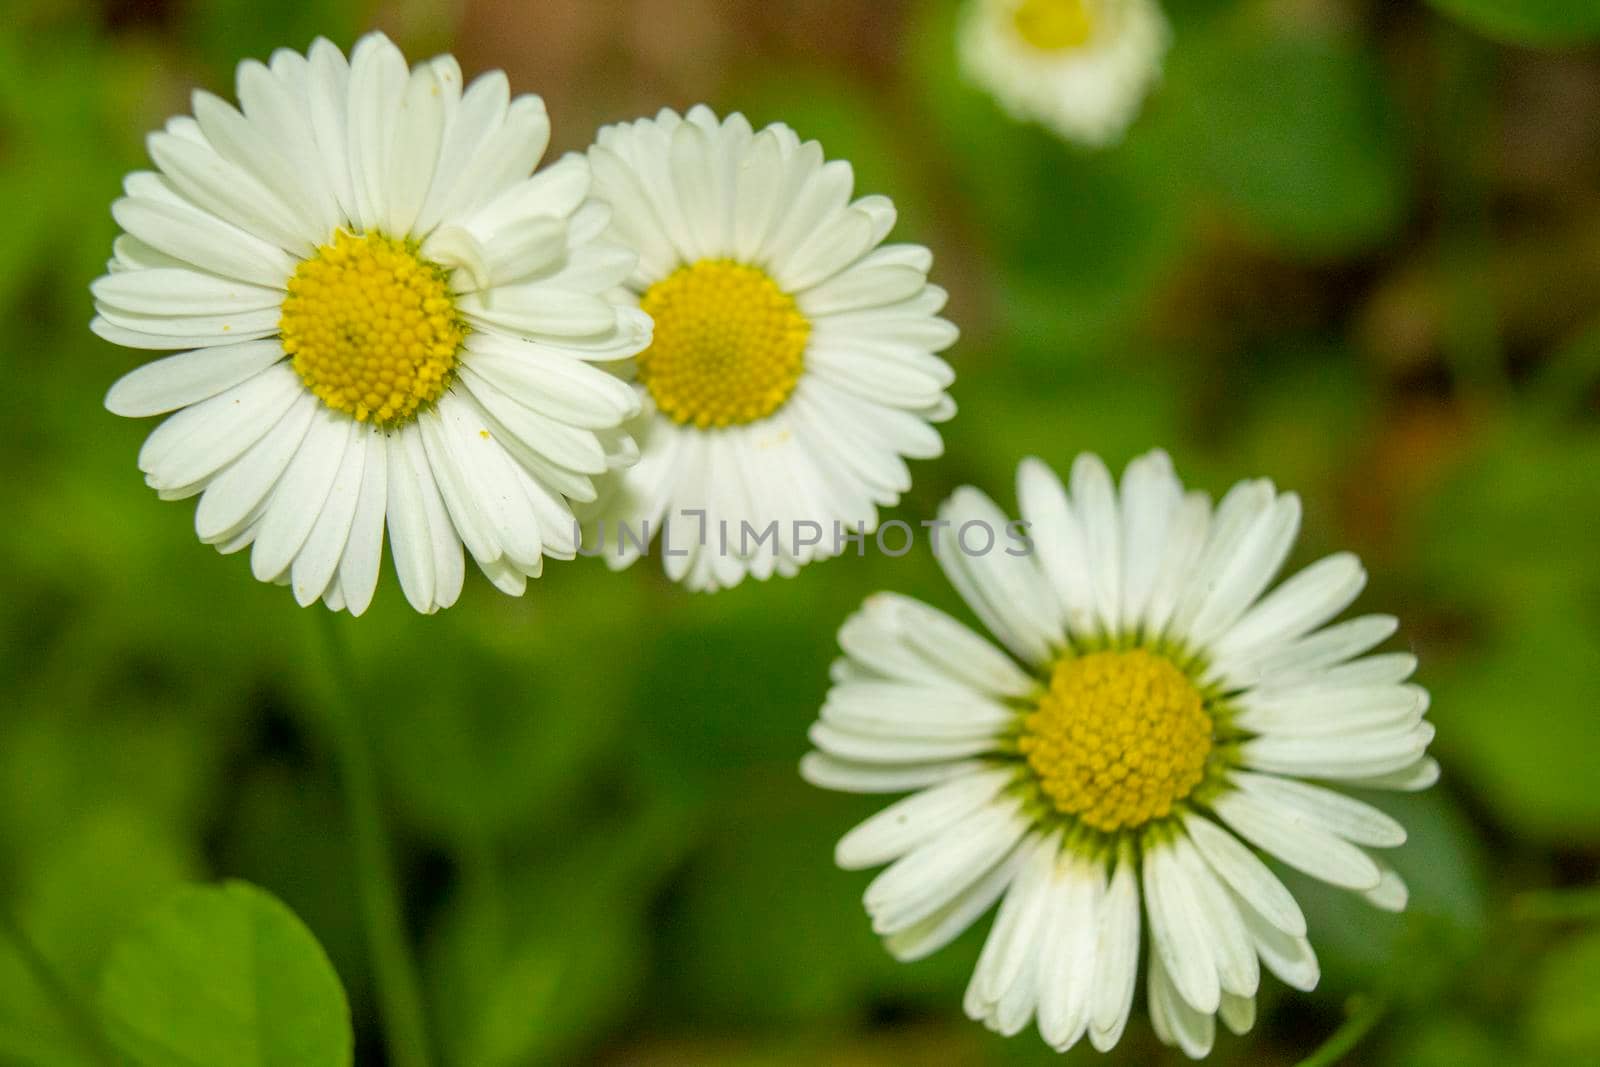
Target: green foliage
[(1514, 714), (224, 974), (1291, 129), (530, 958), (1297, 264), (1561, 1021), (1530, 22)]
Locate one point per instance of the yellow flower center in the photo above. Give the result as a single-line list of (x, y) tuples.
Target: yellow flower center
[(372, 327), (1054, 25), (1118, 738), (729, 345)]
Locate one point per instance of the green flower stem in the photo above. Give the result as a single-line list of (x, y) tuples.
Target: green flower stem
[(399, 997), (68, 1000), (1557, 905), (1364, 1015)]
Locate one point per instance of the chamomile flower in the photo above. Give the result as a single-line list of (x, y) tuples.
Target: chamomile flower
[(1155, 714), (792, 369), (388, 320), (1080, 67)]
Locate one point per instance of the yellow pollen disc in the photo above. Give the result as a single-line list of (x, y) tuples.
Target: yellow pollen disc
[(1054, 25), (372, 327), (729, 345), (1118, 738)]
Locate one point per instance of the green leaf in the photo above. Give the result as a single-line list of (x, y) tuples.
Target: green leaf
[(1522, 723), (498, 727), (1078, 240), (1290, 131), (1452, 1041), (529, 966), (1519, 691), (1561, 1019), (225, 975), (1416, 955), (1533, 22)]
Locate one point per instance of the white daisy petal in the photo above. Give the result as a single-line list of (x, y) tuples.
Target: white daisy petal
[(1116, 957), (1368, 755), (189, 377), (1094, 501), (1296, 607), (377, 79), (876, 748), (1409, 779), (1287, 956), (1142, 763), (1013, 939), (318, 259), (1391, 893), (276, 102), (1150, 498), (171, 291), (185, 330), (1314, 851), (419, 131), (1176, 1022), (1004, 591), (1245, 874), (479, 114), (923, 881), (358, 567), (815, 194), (1191, 526), (1178, 936), (863, 286), (300, 495), (1082, 72), (237, 495), (460, 495), (893, 709), (316, 568), (449, 566), (1385, 669), (1070, 952), (193, 236), (1059, 541), (226, 190), (1231, 949), (503, 158), (1319, 650), (900, 827), (237, 140), (1254, 562), (409, 534), (327, 85), (1315, 711), (904, 639), (943, 926), (791, 360), (1238, 1014), (204, 438), (1239, 511)]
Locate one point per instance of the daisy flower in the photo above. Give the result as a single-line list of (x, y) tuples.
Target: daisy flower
[(1155, 714), (387, 320), (792, 369), (1080, 67)]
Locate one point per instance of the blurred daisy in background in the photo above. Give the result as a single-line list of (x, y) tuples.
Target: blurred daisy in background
[(1155, 709), (386, 320), (792, 370), (1080, 67)]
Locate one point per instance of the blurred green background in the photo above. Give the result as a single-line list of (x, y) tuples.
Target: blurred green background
[(1353, 245)]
